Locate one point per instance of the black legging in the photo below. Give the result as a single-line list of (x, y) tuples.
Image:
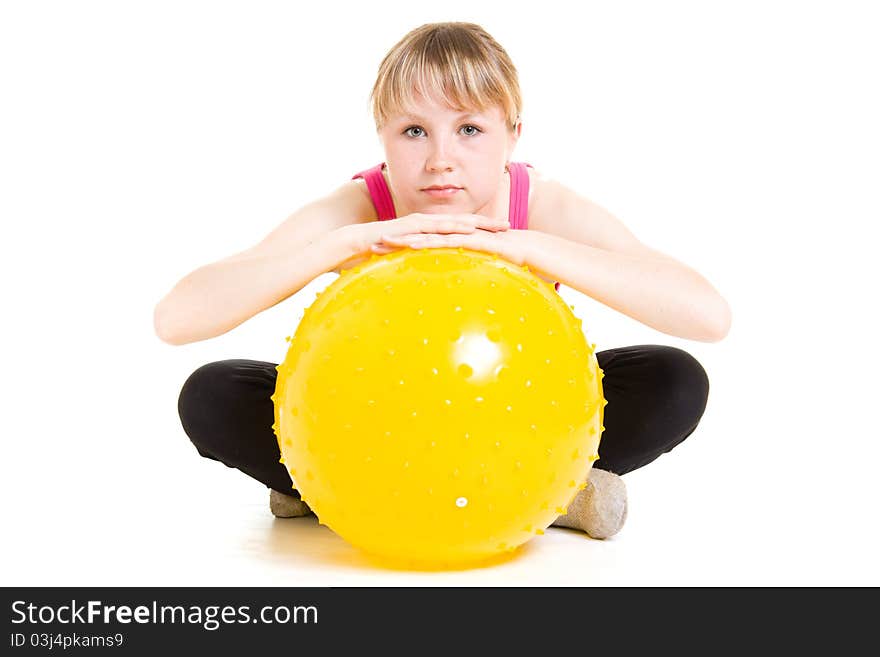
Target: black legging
[(656, 396)]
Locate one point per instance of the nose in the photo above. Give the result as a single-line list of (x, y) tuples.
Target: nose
[(440, 156)]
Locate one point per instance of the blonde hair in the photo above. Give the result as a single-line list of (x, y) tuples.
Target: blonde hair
[(458, 63)]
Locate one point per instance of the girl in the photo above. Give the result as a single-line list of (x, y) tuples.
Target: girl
[(447, 107)]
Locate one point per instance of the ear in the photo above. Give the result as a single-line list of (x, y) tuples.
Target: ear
[(513, 138), (517, 130)]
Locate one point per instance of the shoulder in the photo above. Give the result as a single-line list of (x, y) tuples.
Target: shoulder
[(559, 210), (354, 201), (548, 198), (349, 203), (343, 206)]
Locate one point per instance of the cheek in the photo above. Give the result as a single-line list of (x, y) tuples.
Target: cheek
[(406, 182), (404, 164), (479, 155)]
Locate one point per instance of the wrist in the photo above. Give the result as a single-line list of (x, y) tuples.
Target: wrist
[(535, 249), (527, 243), (348, 245)]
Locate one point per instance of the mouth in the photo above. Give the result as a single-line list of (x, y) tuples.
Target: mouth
[(441, 191)]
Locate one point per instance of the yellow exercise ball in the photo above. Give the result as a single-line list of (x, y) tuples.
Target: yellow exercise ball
[(438, 406)]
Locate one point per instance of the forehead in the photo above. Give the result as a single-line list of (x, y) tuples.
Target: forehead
[(415, 116), (432, 111)]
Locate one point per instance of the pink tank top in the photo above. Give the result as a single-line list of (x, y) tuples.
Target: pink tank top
[(519, 194)]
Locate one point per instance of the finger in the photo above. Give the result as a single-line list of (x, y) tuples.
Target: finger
[(446, 226), (421, 238), (493, 224), (502, 224), (399, 242), (433, 223), (426, 240), (425, 223), (398, 239)]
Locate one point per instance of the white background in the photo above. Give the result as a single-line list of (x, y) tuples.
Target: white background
[(140, 141)]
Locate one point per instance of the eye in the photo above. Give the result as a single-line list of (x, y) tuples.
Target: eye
[(412, 127), (475, 128)]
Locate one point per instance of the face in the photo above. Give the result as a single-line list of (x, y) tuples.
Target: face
[(434, 145)]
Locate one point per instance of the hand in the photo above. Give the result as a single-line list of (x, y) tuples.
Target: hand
[(509, 244), (424, 224), (368, 239)]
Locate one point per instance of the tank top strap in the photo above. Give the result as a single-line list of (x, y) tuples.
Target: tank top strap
[(519, 195), (379, 192), (519, 198)]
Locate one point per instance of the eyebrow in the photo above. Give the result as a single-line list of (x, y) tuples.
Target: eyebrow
[(468, 115)]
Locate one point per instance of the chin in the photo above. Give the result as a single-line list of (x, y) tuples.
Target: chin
[(442, 209)]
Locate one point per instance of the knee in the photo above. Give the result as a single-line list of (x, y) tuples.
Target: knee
[(686, 384), (200, 399)]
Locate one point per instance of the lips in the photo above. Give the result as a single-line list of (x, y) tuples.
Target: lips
[(441, 193)]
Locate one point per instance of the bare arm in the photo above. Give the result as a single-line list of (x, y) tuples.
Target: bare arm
[(219, 296), (656, 290), (592, 251), (216, 298), (321, 237)]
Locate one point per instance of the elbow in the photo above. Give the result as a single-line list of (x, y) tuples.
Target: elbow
[(719, 324), (176, 330), (162, 328)]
